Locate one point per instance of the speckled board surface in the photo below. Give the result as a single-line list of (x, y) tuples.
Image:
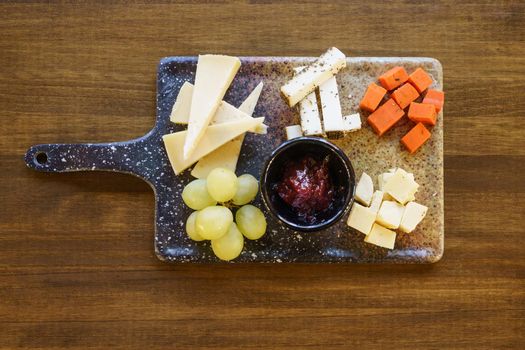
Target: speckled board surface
[(146, 158)]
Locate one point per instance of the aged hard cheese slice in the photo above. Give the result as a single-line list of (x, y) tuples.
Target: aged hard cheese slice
[(381, 236), (309, 112), (293, 131), (361, 218), (214, 75), (214, 137), (180, 113), (315, 74), (390, 214), (224, 113), (414, 213), (364, 189), (223, 157), (227, 156)]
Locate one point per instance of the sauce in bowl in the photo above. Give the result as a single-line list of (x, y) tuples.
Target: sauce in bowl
[(306, 186)]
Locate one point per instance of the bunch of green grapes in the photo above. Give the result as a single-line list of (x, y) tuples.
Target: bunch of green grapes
[(214, 221)]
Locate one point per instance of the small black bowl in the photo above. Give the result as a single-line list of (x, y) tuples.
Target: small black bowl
[(341, 174)]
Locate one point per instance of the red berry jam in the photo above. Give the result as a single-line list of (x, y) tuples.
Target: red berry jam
[(306, 186)]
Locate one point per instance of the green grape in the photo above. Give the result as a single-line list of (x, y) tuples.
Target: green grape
[(196, 196), (190, 227), (213, 222), (251, 221), (229, 246), (248, 187), (222, 184)]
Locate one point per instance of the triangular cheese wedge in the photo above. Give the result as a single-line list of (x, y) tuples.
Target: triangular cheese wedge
[(227, 156), (214, 137), (213, 77), (180, 113), (248, 105)]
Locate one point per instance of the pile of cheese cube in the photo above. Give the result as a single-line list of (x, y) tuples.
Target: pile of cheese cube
[(393, 206)]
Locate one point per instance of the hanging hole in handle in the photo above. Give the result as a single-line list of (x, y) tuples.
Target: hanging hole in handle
[(41, 158)]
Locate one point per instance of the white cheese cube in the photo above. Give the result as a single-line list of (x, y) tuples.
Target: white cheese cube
[(315, 74), (352, 122), (293, 131), (364, 190), (377, 199), (401, 186), (390, 214), (382, 179), (381, 236), (361, 218), (414, 213)]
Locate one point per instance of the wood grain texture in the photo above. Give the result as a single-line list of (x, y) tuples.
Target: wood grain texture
[(77, 268)]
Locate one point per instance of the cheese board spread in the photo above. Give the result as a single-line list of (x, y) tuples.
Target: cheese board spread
[(325, 159)]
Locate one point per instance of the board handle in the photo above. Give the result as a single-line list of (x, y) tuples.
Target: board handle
[(117, 156)]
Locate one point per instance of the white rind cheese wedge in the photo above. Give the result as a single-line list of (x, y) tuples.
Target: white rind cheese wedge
[(293, 131), (309, 113), (381, 237), (214, 137), (390, 214), (331, 106), (361, 218), (414, 213), (401, 186), (180, 113), (364, 189), (377, 199), (213, 77), (313, 76), (227, 156)]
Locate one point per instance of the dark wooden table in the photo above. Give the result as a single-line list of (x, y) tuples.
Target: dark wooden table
[(77, 268)]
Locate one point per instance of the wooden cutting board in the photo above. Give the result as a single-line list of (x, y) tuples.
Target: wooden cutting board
[(146, 158)]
